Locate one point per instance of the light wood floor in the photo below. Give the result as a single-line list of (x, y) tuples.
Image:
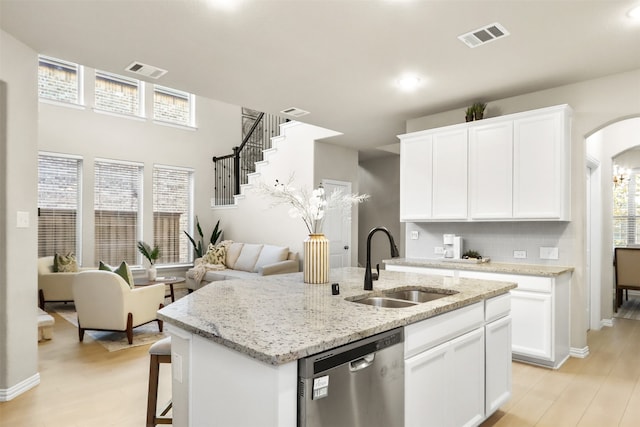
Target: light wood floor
[(84, 385)]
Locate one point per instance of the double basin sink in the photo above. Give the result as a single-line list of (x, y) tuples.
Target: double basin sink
[(402, 298)]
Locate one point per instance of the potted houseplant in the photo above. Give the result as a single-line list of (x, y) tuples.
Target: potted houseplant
[(151, 255), (468, 115), (199, 248), (478, 110)]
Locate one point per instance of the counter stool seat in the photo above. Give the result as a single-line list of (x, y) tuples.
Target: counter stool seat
[(160, 352)]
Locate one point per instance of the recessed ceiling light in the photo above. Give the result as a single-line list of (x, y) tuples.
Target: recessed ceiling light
[(408, 82), (634, 13)]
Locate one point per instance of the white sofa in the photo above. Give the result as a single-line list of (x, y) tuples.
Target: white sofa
[(246, 260)]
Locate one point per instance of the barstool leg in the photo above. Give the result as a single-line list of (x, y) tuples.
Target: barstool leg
[(152, 399)]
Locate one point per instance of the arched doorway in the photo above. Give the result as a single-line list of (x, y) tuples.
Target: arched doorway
[(602, 147)]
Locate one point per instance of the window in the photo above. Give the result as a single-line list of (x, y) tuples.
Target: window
[(173, 106), (117, 205), (118, 94), (626, 213), (172, 213), (59, 80), (58, 204)]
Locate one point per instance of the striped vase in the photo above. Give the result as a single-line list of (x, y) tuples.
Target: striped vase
[(316, 259)]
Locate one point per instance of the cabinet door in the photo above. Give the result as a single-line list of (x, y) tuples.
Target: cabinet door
[(450, 174), (415, 179), (540, 167), (466, 379), (490, 171), (531, 313), (497, 364), (426, 377)]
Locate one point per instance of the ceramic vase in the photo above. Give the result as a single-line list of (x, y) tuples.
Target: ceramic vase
[(152, 273), (316, 259)]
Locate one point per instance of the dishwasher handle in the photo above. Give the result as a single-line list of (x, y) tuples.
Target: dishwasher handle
[(362, 363)]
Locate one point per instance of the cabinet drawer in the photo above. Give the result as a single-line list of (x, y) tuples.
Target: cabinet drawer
[(436, 330), (525, 283), (497, 307), (421, 270)]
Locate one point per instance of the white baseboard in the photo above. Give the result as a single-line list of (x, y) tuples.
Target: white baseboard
[(606, 322), (9, 393), (579, 352)]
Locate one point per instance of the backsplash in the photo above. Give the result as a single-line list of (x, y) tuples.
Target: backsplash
[(497, 240)]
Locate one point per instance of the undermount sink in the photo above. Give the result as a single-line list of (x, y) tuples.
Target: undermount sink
[(409, 297)]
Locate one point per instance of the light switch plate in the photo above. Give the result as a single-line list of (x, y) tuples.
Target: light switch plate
[(548, 253), (22, 220), (414, 235)]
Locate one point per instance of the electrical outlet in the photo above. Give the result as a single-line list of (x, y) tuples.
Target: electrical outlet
[(520, 254), (414, 235), (548, 253), (438, 250)]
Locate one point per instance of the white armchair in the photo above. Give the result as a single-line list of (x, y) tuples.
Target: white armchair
[(53, 286), (105, 302)]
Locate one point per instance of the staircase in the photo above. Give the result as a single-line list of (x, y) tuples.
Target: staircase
[(233, 170)]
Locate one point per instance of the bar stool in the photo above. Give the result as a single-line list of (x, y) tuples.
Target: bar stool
[(160, 352)]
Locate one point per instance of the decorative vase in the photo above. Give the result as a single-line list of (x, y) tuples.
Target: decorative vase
[(316, 259), (152, 273)]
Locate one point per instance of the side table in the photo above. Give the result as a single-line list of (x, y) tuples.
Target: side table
[(167, 280)]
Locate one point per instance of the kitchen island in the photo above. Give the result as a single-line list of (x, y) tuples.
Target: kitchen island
[(236, 343)]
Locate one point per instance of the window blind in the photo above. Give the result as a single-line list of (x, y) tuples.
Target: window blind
[(58, 204), (173, 106), (626, 211), (172, 211), (59, 80), (117, 201), (117, 94)]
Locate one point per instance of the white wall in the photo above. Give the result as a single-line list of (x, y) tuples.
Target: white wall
[(91, 134), (380, 178), (595, 103), (18, 151)]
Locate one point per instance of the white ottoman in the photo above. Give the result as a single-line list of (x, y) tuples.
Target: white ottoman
[(45, 325)]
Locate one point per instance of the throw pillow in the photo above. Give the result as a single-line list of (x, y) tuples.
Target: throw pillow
[(66, 263), (271, 254), (122, 270), (233, 252), (248, 257), (215, 255)]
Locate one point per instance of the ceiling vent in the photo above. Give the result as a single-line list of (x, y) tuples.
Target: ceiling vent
[(294, 112), (146, 70), (484, 35)]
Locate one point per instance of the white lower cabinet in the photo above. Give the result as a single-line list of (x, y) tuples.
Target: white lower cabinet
[(497, 335), (533, 324), (458, 365), (444, 386)]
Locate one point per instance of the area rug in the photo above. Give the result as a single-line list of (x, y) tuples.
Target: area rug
[(629, 309), (113, 341)]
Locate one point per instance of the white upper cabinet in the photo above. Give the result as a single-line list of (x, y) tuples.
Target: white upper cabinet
[(514, 167), (491, 170), (450, 174), (415, 178), (541, 161)]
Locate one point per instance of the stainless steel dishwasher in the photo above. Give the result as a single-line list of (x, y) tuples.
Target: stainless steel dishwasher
[(358, 384)]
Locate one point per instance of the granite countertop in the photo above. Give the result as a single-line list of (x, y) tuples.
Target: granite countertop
[(279, 319), (488, 267)]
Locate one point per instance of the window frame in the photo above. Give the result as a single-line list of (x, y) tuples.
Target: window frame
[(189, 214), (138, 84), (79, 70), (138, 261), (191, 99), (79, 211)]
